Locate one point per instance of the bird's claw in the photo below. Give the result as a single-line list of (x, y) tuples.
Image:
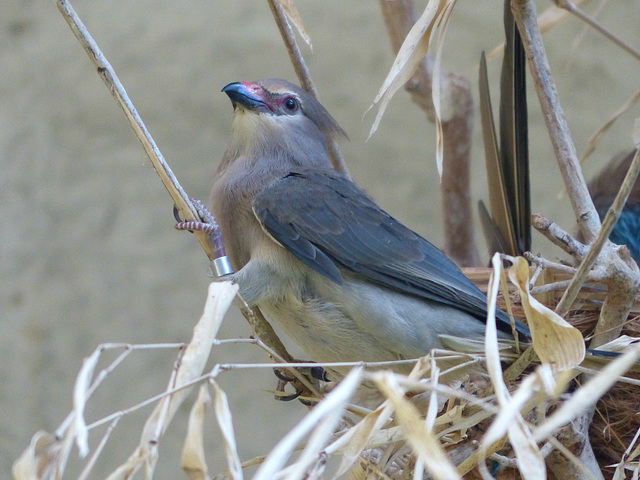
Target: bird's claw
[(287, 398), (207, 223), (176, 213), (196, 226), (282, 376), (203, 212), (316, 373), (283, 380)]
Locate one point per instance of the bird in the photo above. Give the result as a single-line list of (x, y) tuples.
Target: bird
[(604, 188), (340, 276)]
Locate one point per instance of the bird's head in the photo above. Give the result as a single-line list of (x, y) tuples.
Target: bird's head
[(275, 114)]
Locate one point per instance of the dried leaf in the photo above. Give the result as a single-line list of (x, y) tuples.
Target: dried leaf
[(434, 408), (223, 414), (411, 53), (333, 405), (463, 423), (477, 345), (193, 458), (80, 390), (509, 420), (293, 15), (219, 298), (311, 458), (358, 436), (588, 394), (492, 350), (442, 112), (628, 457), (620, 344), (509, 411), (555, 341), (530, 461), (36, 461), (142, 455), (424, 442)]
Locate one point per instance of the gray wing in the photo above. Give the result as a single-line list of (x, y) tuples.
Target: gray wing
[(329, 224)]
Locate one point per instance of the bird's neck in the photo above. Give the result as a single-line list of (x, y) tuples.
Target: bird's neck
[(258, 153), (275, 144)]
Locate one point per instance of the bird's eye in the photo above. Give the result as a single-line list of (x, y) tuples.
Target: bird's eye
[(290, 104)]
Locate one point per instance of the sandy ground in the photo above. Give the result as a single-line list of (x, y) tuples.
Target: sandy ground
[(88, 253)]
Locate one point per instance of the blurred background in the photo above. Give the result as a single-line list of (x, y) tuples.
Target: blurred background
[(88, 252)]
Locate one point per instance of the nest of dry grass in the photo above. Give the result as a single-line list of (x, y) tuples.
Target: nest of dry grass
[(616, 420), (504, 423)]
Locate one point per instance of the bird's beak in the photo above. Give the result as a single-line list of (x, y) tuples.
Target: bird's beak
[(248, 95)]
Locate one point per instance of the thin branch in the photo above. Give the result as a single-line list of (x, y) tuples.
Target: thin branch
[(597, 135), (543, 263), (622, 281), (86, 471), (304, 76), (108, 75), (550, 287), (524, 13), (625, 281), (585, 17), (558, 236), (610, 221)]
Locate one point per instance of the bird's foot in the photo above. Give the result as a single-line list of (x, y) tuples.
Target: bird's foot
[(315, 373), (283, 380), (207, 223), (220, 265)]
